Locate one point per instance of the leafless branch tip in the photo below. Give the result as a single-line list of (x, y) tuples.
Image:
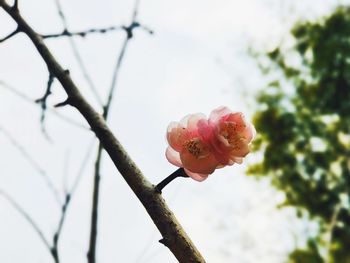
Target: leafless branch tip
[(12, 34)]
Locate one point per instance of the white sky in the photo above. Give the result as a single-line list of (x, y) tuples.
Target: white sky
[(195, 62)]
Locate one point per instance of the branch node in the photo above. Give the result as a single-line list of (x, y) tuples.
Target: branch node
[(15, 32), (15, 6), (68, 196), (68, 101), (129, 29), (43, 100), (164, 241), (55, 239)]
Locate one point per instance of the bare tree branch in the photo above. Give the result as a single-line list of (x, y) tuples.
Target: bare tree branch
[(84, 33), (27, 217), (24, 97), (77, 54), (15, 32), (33, 163), (174, 237)]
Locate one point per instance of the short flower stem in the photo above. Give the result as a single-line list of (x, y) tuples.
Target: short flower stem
[(178, 173)]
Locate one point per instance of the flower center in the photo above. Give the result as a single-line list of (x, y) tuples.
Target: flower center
[(229, 130), (197, 148)]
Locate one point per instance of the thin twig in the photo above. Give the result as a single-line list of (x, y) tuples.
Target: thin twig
[(129, 35), (26, 98), (16, 92), (77, 55), (27, 217), (15, 32), (91, 254), (82, 168), (66, 172), (178, 173), (43, 100), (31, 222), (174, 236), (68, 197), (97, 176), (57, 234), (15, 5), (33, 163), (43, 103), (83, 33)]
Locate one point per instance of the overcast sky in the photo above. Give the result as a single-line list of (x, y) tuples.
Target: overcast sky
[(196, 61)]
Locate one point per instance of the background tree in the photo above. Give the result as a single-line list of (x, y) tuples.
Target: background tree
[(304, 131)]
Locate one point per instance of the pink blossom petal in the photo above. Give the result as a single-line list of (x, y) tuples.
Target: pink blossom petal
[(172, 125), (196, 176), (238, 160), (192, 123), (190, 120), (236, 117), (218, 113), (249, 132), (222, 157), (173, 157), (222, 141), (205, 130), (241, 150), (220, 166), (176, 136), (184, 120), (244, 128), (202, 164)]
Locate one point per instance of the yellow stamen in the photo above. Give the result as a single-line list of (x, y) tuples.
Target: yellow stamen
[(229, 131), (196, 148)]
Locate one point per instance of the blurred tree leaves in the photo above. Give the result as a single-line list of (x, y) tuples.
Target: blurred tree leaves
[(303, 124)]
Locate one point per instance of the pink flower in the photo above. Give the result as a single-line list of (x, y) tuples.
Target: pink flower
[(200, 145), (232, 135), (190, 148)]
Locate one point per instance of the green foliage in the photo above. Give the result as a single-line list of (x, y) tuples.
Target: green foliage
[(304, 132), (309, 255)]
